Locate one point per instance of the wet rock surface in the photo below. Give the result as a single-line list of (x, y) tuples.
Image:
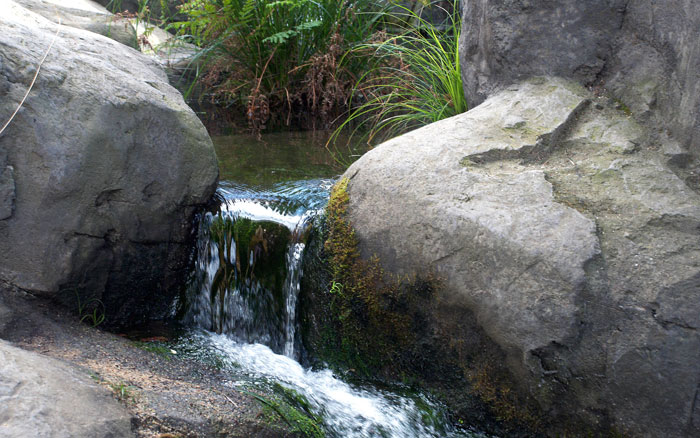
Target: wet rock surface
[(570, 236)]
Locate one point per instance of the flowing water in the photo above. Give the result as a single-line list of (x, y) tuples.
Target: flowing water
[(243, 295)]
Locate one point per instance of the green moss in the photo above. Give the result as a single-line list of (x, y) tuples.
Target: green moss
[(605, 176), (622, 107), (289, 407), (467, 162), (374, 316), (495, 391), (158, 348)]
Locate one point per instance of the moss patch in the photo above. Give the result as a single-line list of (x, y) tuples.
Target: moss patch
[(286, 406), (620, 105), (375, 317)]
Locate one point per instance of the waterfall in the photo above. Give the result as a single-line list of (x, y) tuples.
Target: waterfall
[(291, 293), (248, 266), (244, 293)]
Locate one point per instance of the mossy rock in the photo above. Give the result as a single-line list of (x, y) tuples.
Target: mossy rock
[(378, 326)]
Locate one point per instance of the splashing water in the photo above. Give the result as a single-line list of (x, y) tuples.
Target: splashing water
[(347, 410)]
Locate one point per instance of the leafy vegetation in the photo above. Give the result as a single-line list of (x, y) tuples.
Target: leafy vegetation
[(279, 59), (379, 67), (415, 78), (382, 66), (91, 311), (123, 391)]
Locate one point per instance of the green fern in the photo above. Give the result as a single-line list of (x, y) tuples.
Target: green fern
[(266, 47), (247, 12), (281, 37)]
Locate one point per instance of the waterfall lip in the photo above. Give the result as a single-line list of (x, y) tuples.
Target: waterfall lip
[(256, 210), (283, 202)]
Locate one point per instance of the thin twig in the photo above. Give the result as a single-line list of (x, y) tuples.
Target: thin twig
[(225, 396), (38, 69)]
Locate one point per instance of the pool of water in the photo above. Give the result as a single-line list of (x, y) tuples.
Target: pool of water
[(280, 157)]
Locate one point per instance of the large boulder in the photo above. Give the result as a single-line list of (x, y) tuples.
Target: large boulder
[(645, 52), (561, 232), (45, 398), (101, 172)]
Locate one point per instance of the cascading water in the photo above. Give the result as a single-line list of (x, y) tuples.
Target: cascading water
[(248, 267), (244, 295)]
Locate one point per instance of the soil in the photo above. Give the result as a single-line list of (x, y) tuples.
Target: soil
[(168, 396)]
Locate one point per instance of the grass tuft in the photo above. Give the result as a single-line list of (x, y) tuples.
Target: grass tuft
[(415, 77)]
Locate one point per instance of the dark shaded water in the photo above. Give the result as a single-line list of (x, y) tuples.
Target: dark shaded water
[(279, 157)]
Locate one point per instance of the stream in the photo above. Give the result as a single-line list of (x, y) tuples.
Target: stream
[(242, 298)]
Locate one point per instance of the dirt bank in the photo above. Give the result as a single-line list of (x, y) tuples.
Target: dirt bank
[(167, 395)]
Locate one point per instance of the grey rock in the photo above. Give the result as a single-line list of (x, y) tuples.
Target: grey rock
[(43, 397), (7, 192), (5, 314), (462, 214), (110, 166), (504, 41), (654, 67), (84, 14), (577, 251), (644, 52)]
